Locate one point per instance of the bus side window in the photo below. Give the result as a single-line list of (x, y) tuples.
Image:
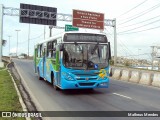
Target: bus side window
[(54, 43), (39, 51), (44, 50), (49, 49), (36, 52)]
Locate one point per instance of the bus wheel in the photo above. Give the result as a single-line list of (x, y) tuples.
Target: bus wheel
[(55, 87), (52, 81), (39, 77)]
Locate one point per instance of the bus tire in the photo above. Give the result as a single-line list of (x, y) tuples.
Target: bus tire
[(52, 81), (55, 87), (39, 77)]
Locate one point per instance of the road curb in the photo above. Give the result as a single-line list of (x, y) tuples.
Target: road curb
[(34, 100), (18, 92), (19, 95)]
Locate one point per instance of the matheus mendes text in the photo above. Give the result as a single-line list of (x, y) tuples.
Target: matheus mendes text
[(145, 114)]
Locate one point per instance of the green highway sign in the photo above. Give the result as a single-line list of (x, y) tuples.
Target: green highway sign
[(71, 28)]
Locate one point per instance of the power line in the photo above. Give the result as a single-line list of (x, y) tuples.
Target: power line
[(122, 46), (141, 14), (140, 30), (132, 8), (32, 38), (37, 36), (140, 22), (126, 47), (140, 26), (149, 9)]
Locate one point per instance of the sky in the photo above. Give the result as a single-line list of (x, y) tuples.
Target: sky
[(137, 25)]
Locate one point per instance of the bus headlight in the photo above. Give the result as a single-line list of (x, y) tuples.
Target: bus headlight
[(67, 76), (103, 84)]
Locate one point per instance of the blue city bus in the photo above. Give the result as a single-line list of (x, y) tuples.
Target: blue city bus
[(74, 60)]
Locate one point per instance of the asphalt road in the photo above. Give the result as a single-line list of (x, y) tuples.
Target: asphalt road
[(120, 96)]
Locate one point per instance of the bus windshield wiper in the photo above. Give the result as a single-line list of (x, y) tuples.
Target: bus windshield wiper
[(94, 49), (99, 55)]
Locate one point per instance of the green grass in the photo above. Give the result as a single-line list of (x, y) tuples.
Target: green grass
[(9, 100), (2, 68)]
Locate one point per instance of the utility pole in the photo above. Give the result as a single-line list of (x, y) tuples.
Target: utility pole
[(138, 57), (115, 42), (138, 53), (9, 44), (152, 54), (1, 34), (28, 38), (17, 42)]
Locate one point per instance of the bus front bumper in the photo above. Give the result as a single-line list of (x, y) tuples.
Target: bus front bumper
[(84, 84)]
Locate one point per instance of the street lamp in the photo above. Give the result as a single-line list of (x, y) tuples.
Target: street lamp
[(9, 44), (17, 42)]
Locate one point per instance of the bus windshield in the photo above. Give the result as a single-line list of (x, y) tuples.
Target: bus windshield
[(85, 56)]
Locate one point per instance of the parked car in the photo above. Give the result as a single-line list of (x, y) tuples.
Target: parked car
[(20, 57)]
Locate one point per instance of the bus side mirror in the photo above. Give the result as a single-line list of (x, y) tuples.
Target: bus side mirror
[(109, 50), (61, 47)]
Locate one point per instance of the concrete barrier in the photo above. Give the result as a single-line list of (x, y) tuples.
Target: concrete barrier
[(125, 75), (135, 76), (156, 80), (145, 78), (116, 74)]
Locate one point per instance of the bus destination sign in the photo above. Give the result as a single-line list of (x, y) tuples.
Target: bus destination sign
[(85, 19), (77, 37)]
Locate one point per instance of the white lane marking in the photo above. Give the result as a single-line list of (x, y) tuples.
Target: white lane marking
[(122, 95)]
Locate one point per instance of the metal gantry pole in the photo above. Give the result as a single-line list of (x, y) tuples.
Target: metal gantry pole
[(50, 29), (115, 42), (1, 34), (9, 45), (44, 32)]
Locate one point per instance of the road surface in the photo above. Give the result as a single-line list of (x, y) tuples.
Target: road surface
[(120, 96)]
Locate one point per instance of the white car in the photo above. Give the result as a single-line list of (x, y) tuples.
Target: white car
[(20, 57)]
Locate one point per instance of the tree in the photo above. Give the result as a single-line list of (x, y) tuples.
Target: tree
[(4, 42)]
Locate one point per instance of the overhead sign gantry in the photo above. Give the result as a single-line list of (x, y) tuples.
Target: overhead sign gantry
[(35, 14), (43, 14)]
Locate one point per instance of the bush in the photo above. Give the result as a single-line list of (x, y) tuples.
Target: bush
[(111, 62), (127, 63)]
